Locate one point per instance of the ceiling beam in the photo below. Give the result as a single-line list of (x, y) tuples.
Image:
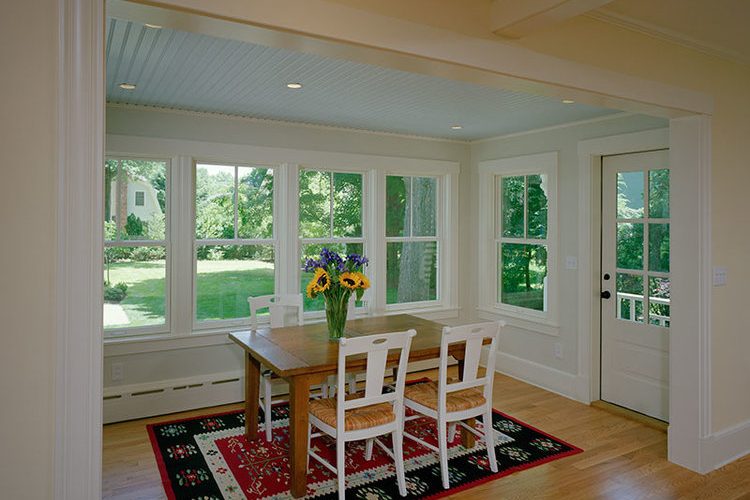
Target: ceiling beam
[(514, 19)]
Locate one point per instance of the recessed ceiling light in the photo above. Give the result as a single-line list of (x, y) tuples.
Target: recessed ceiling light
[(568, 101), (153, 26), (127, 86), (456, 127), (294, 85)]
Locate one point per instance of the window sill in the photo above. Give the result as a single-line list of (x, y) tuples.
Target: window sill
[(519, 320)]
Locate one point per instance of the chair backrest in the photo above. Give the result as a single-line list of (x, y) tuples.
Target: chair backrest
[(473, 337), (376, 347), (276, 307)]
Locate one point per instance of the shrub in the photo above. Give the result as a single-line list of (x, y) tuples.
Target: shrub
[(115, 293)]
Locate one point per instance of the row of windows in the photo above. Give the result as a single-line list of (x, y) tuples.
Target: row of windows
[(237, 242)]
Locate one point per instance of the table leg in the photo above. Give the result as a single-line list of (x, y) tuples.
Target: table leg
[(252, 389), (299, 396), (467, 438)]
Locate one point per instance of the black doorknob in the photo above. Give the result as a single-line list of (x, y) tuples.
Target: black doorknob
[(606, 294)]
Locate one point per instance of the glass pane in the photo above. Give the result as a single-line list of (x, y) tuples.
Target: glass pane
[(214, 202), (629, 245), (630, 195), (411, 272), (347, 205), (136, 180), (134, 286), (397, 208), (658, 296), (314, 204), (658, 247), (110, 193), (424, 199), (228, 275), (658, 194), (523, 275), (255, 203), (537, 206), (512, 206), (630, 297), (313, 252)]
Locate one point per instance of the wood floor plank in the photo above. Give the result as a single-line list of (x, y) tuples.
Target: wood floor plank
[(622, 458)]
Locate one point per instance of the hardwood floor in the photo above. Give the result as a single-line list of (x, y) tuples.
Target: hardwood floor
[(622, 458)]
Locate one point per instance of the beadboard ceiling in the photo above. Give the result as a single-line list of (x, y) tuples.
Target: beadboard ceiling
[(190, 71)]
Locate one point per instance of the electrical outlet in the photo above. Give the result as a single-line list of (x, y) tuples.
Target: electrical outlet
[(558, 350), (118, 372), (571, 262)]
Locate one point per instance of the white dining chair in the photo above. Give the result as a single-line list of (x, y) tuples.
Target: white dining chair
[(368, 415), (276, 306), (451, 401)]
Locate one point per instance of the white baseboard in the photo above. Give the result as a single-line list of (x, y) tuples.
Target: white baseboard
[(550, 379), (725, 446)]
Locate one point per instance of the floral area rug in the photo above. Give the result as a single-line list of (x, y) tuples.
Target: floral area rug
[(208, 457)]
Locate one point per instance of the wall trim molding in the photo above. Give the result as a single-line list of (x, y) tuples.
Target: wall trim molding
[(80, 114), (550, 379), (666, 34), (725, 446)]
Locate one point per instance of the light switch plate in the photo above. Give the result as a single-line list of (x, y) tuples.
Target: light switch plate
[(571, 262), (720, 276)]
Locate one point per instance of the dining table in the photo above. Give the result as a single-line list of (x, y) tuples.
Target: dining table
[(304, 356)]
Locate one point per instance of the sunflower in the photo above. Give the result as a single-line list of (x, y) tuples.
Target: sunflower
[(349, 280), (311, 293), (322, 280), (362, 281)]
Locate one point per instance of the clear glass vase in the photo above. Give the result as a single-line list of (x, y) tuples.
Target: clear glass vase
[(336, 310)]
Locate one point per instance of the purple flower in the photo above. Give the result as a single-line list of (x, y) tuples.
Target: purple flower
[(329, 257), (311, 264), (357, 260)]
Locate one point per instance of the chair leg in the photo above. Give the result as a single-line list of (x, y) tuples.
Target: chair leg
[(352, 383), (443, 446), (340, 459), (267, 407), (489, 439), (368, 449), (398, 452), (451, 431), (331, 383), (309, 445)]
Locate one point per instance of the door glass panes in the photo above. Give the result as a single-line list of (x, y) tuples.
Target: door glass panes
[(512, 215), (658, 247), (523, 275), (537, 207), (658, 297), (630, 297), (630, 195), (658, 194), (630, 245)]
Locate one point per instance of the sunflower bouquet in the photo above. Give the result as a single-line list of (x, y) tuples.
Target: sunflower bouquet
[(336, 278)]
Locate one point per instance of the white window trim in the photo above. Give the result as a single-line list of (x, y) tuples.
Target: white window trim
[(542, 163), (164, 328), (286, 163)]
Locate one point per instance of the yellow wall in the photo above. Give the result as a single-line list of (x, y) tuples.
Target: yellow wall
[(603, 45), (28, 142)]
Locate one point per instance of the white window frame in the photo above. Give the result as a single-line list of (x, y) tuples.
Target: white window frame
[(438, 239), (364, 239), (213, 324), (490, 201), (166, 243)]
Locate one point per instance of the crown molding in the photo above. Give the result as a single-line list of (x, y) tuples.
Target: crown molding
[(668, 35)]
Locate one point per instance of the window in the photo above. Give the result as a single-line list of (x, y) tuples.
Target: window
[(517, 213), (234, 239), (330, 215), (411, 239), (135, 246), (140, 198)]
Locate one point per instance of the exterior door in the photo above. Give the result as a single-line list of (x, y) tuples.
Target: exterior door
[(635, 282)]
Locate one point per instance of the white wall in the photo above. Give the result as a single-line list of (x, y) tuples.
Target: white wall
[(28, 197), (530, 344)]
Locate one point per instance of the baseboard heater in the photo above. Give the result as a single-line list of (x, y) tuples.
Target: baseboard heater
[(131, 402)]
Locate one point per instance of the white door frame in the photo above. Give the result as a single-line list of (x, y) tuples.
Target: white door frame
[(689, 366), (77, 461)]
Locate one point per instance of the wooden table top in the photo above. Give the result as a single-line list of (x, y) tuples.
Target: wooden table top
[(295, 350)]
